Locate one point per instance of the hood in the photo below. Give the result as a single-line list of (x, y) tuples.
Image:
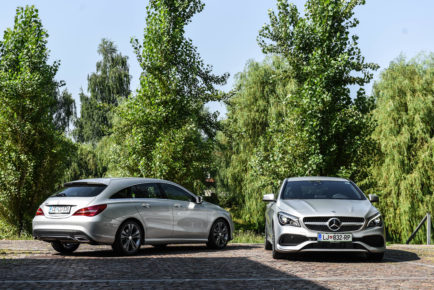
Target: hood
[(327, 207)]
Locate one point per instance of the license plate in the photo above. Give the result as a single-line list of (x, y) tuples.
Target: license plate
[(59, 209), (332, 237)]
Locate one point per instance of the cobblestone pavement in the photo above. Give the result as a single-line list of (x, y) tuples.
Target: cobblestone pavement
[(33, 264)]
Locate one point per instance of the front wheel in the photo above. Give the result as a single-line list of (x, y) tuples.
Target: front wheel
[(267, 245), (276, 255), (64, 248), (219, 235), (128, 239)]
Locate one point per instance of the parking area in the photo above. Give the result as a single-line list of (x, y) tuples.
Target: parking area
[(33, 264)]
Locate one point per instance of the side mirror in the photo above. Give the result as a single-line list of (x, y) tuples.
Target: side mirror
[(268, 197), (199, 199), (373, 198)]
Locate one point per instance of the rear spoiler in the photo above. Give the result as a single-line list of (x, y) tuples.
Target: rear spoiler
[(83, 183)]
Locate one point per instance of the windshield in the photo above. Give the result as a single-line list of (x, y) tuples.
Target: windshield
[(87, 190), (321, 189)]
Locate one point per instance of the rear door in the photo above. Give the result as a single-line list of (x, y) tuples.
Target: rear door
[(155, 210), (190, 220)]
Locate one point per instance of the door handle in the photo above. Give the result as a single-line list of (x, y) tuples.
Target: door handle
[(147, 205), (177, 205)]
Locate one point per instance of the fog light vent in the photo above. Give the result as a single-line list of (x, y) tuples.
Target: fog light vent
[(291, 240)]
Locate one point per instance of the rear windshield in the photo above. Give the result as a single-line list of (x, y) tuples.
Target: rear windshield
[(321, 189), (87, 190)]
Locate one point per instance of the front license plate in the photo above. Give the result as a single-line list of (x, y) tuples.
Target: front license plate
[(59, 209), (332, 237)]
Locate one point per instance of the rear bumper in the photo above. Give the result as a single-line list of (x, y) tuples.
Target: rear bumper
[(63, 236), (77, 229)]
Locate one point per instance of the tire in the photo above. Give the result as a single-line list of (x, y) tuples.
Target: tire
[(128, 239), (276, 255), (219, 235), (64, 248), (376, 257), (267, 245)]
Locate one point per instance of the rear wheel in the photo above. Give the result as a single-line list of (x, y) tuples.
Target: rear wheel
[(377, 257), (219, 235), (128, 239), (64, 248), (267, 245)]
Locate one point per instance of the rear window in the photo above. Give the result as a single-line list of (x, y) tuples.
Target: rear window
[(87, 190), (321, 189)]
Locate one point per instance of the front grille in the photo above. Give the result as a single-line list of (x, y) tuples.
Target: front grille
[(335, 246), (344, 219), (349, 224), (324, 228)]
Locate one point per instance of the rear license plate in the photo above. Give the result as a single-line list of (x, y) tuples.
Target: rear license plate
[(332, 237), (59, 209)]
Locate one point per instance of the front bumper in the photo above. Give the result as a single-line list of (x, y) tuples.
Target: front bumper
[(300, 239)]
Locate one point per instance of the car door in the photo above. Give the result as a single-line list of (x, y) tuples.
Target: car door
[(154, 209), (190, 220)]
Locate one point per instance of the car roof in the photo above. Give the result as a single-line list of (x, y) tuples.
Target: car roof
[(316, 178), (107, 181)]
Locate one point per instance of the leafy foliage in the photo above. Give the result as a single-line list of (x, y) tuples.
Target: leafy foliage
[(299, 118), (164, 130), (403, 172), (107, 86), (33, 116)]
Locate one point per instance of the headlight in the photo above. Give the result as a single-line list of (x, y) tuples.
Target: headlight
[(375, 221), (287, 219)]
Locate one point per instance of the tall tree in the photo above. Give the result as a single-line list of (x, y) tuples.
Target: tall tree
[(164, 129), (403, 171), (107, 86), (33, 116), (325, 61), (308, 123)]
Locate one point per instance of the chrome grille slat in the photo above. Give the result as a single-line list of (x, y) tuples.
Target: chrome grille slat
[(349, 224)]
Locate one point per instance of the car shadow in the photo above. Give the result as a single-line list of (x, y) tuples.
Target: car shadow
[(156, 251), (390, 256)]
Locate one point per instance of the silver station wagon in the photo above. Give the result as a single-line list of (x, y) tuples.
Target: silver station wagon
[(127, 213), (312, 214)]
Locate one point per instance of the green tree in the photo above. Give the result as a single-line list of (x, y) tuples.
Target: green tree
[(295, 116), (403, 172), (33, 116), (107, 86), (164, 131), (325, 61)]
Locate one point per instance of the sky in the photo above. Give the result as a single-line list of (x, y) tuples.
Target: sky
[(224, 33)]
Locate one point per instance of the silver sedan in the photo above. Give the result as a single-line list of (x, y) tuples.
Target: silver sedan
[(127, 213), (323, 214)]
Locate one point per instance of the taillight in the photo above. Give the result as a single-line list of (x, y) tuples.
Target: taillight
[(91, 210), (39, 212)]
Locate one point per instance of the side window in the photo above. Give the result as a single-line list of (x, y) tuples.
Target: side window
[(124, 193), (146, 190), (176, 193)]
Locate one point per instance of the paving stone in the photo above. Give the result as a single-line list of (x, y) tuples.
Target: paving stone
[(33, 264)]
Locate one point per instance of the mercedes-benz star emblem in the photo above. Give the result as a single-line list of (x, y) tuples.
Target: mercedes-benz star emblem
[(334, 224)]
